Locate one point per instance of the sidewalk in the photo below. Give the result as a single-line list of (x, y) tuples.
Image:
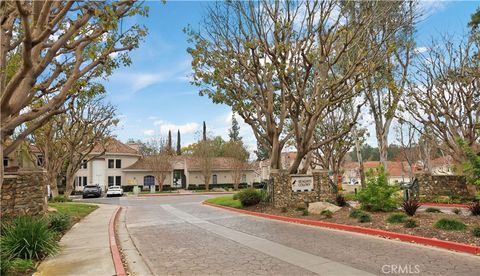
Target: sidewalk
[(85, 249)]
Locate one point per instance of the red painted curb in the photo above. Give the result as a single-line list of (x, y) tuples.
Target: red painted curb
[(362, 230), (185, 194), (453, 205), (117, 260)]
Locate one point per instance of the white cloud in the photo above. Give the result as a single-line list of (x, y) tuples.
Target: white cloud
[(149, 132), (429, 7), (184, 128), (140, 80), (420, 50)]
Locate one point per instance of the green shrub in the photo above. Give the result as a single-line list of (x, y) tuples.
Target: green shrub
[(5, 264), (396, 218), (249, 197), (378, 195), (284, 209), (410, 223), (326, 213), (265, 195), (305, 213), (476, 232), (457, 211), (20, 266), (28, 237), (356, 213), (300, 209), (350, 196), (364, 218), (432, 210), (59, 222), (235, 196), (60, 199), (449, 224)]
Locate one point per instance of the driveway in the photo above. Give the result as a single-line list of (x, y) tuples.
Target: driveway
[(179, 235)]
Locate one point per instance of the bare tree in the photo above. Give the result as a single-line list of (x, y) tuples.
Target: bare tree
[(284, 66), (159, 160), (385, 87), (407, 137), (51, 50), (87, 127), (237, 158), (204, 154), (332, 155), (445, 97), (51, 143)]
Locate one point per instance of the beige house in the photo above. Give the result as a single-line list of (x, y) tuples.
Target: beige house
[(121, 164)]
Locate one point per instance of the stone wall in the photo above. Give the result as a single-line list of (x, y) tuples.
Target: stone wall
[(24, 193), (283, 196), (442, 185)]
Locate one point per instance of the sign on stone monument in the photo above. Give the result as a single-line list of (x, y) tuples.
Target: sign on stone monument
[(303, 183)]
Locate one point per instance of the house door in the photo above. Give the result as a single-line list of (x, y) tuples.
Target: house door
[(179, 179)]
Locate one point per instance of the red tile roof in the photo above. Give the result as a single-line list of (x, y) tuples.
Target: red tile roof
[(193, 164), (114, 146), (394, 168)]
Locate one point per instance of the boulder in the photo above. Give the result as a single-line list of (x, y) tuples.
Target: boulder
[(316, 208)]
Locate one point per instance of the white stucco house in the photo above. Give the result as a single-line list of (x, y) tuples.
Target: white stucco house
[(123, 165)]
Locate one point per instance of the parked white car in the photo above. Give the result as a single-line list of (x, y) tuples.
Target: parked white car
[(114, 191)]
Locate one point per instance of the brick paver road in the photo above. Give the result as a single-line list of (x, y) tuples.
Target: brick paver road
[(178, 235)]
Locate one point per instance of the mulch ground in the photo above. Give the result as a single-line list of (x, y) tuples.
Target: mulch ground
[(424, 221)]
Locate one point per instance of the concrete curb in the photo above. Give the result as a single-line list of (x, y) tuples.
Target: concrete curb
[(117, 260), (362, 230), (453, 205), (186, 194)]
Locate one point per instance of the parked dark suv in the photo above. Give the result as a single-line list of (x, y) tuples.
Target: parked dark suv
[(92, 191)]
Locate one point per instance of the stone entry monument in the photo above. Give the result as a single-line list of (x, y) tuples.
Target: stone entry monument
[(24, 192), (300, 189)]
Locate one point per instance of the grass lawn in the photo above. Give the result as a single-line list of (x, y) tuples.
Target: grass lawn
[(77, 211), (226, 201)]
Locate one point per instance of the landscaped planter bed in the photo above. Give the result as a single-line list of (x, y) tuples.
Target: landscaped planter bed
[(424, 221)]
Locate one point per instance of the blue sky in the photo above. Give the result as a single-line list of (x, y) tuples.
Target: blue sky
[(154, 94)]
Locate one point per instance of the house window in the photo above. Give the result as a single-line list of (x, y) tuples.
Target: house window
[(118, 163), (83, 165), (214, 179), (118, 180), (5, 162), (40, 160), (244, 178), (148, 180), (111, 163), (81, 181), (110, 181)]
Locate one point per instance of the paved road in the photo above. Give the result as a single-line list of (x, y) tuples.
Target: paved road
[(178, 235)]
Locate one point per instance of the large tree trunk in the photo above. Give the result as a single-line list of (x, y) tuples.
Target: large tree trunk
[(1, 166), (383, 148), (298, 160), (52, 181), (69, 185), (207, 182), (276, 155), (307, 163), (358, 148)]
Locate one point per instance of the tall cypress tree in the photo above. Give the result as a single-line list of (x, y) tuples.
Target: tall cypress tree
[(179, 149), (234, 131), (204, 131), (170, 141)]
